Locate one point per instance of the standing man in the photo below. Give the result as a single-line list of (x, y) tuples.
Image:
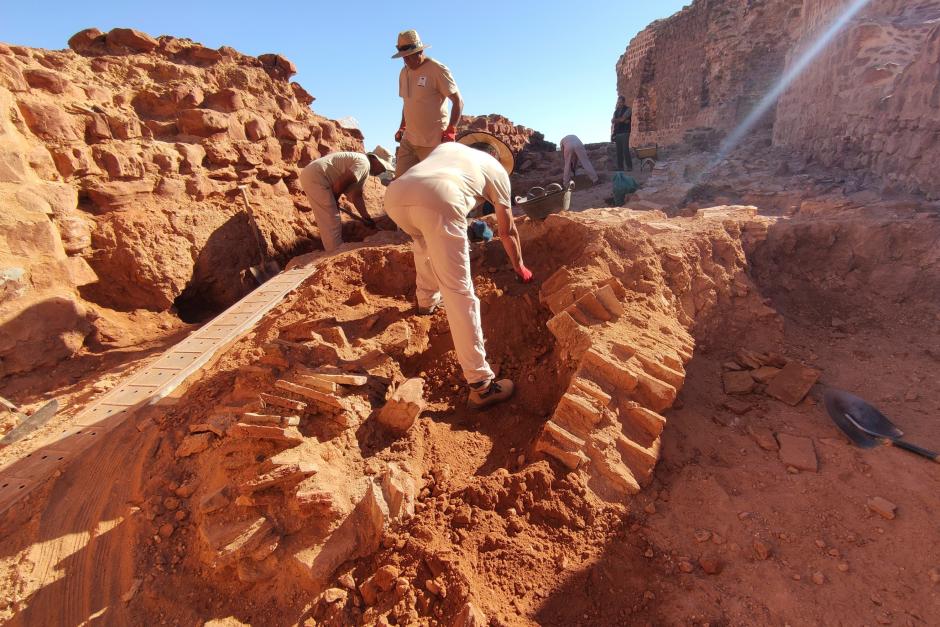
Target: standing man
[(620, 133), (573, 152), (424, 85), (327, 178), (430, 203)]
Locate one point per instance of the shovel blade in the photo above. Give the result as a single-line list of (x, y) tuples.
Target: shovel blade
[(839, 403), (265, 272)]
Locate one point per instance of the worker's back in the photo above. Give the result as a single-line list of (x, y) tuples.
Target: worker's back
[(457, 174)]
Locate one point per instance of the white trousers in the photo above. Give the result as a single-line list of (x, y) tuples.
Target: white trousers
[(433, 217), (323, 203), (569, 152)]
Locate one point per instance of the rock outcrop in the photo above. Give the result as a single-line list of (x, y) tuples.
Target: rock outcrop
[(119, 163), (867, 104), (519, 138)]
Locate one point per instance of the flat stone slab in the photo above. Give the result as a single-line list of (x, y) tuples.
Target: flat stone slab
[(798, 452), (792, 383)]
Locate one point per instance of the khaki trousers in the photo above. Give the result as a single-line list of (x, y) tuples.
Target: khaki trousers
[(426, 211), (407, 156), (323, 203)]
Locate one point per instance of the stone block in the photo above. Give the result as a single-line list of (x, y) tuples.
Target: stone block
[(561, 444), (283, 476), (285, 435), (792, 383), (272, 400), (608, 298), (765, 374), (309, 393), (404, 406), (658, 395), (589, 305), (573, 339), (611, 369), (797, 452), (648, 420), (737, 382), (883, 507), (576, 414)]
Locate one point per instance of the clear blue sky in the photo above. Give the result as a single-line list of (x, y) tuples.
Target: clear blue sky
[(547, 65)]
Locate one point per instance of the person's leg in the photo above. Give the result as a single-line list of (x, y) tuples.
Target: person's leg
[(618, 139), (586, 163), (445, 233), (567, 155), (323, 205), (427, 291), (405, 158), (626, 152)]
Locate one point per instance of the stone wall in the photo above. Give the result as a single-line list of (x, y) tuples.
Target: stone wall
[(119, 165), (871, 103), (704, 67)]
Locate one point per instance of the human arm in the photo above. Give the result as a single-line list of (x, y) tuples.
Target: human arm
[(509, 236), (354, 195), (456, 109), (401, 127)]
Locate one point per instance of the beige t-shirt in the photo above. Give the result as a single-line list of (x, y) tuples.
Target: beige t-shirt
[(424, 92), (461, 176), (336, 164)]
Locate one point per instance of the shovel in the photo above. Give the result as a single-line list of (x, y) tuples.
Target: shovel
[(866, 426), (266, 269), (40, 417)]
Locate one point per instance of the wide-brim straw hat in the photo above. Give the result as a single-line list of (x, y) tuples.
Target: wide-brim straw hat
[(385, 163), (409, 43), (505, 157)]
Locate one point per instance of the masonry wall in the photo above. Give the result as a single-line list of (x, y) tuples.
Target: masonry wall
[(705, 67), (871, 102)]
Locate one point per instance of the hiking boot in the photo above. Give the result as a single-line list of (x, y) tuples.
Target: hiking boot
[(427, 311), (430, 309), (486, 393)]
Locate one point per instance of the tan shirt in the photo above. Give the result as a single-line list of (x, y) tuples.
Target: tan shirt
[(334, 165), (424, 92), (461, 176)]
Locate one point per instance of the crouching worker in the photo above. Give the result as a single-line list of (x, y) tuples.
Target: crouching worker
[(430, 202), (329, 177)]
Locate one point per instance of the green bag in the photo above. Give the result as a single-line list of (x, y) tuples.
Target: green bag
[(623, 185)]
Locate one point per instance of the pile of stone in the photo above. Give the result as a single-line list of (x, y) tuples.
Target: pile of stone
[(768, 373)]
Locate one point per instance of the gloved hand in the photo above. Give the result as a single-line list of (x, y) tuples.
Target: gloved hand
[(449, 134), (525, 275), (399, 134)]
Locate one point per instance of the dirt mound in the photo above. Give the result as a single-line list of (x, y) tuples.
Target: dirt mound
[(119, 169)]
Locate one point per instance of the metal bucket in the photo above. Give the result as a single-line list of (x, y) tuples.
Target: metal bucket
[(540, 207)]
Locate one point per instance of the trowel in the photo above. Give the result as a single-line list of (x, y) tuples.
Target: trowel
[(266, 269), (866, 426)]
